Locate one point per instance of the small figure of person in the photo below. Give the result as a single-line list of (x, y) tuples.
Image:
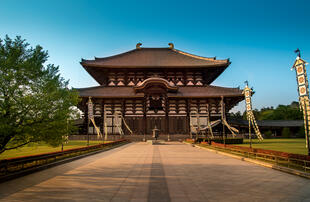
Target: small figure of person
[(155, 133)]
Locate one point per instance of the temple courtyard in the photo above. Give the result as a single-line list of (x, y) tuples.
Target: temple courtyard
[(163, 172)]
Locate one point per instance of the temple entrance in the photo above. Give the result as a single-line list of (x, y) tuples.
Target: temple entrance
[(156, 122), (156, 103)]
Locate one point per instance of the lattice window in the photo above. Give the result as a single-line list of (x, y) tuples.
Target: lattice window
[(139, 107), (131, 79), (112, 79), (179, 79), (171, 78), (120, 79), (97, 109), (172, 107), (129, 108), (213, 108), (198, 79), (190, 79), (182, 107)]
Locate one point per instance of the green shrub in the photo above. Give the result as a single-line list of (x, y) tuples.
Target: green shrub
[(268, 134), (229, 141), (286, 133), (301, 132)]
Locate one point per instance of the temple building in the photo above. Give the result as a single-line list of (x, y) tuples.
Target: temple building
[(161, 88)]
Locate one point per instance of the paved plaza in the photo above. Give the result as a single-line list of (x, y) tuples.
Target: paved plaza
[(166, 172)]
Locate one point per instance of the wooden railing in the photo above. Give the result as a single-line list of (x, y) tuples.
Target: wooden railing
[(302, 163), (13, 165)]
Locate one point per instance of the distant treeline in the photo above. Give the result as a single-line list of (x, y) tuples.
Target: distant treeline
[(282, 112)]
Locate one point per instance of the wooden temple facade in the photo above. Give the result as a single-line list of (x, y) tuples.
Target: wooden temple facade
[(161, 88)]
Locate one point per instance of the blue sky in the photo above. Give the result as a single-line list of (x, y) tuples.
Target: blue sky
[(259, 37)]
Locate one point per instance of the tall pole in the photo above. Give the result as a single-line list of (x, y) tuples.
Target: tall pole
[(250, 137), (249, 113), (303, 92), (307, 126)]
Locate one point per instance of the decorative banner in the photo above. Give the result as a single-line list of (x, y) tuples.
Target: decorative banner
[(303, 91), (301, 74), (250, 116), (90, 106), (90, 109), (247, 93)]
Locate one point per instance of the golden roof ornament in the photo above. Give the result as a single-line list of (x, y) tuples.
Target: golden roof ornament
[(171, 45), (138, 45)]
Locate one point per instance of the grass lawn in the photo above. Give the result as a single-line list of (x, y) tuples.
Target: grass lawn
[(296, 146), (39, 148)]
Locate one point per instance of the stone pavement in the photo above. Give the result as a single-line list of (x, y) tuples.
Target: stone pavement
[(165, 172)]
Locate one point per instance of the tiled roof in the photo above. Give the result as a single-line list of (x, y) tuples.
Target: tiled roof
[(126, 92), (154, 57)]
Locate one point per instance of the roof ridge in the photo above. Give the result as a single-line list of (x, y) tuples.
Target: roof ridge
[(101, 86), (126, 52), (112, 56), (224, 87), (155, 48), (197, 56)]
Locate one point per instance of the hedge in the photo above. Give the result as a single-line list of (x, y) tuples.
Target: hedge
[(220, 140)]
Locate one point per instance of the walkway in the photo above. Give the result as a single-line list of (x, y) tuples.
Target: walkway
[(167, 172)]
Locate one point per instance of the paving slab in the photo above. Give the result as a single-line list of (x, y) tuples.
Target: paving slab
[(162, 172)]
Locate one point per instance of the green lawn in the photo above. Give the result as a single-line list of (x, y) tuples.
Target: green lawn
[(297, 146), (39, 148)]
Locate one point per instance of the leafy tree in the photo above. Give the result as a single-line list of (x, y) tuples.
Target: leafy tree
[(268, 134), (286, 132), (35, 102), (236, 115), (301, 132), (282, 112)]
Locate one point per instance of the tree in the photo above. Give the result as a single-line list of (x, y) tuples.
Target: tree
[(35, 102), (286, 133), (268, 134), (236, 115), (301, 132), (282, 112)]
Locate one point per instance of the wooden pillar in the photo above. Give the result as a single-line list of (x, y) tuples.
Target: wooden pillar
[(165, 74), (112, 111), (144, 75), (188, 102), (102, 117), (144, 118), (198, 119), (204, 76), (123, 115), (208, 119), (86, 117), (185, 77), (167, 116), (223, 117), (126, 78)]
